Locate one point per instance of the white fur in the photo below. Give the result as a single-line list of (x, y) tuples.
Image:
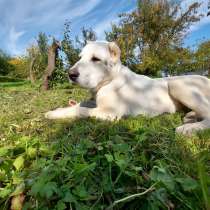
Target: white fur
[(120, 92)]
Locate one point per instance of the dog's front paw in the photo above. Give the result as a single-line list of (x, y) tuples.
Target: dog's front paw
[(188, 129), (50, 115), (55, 114)]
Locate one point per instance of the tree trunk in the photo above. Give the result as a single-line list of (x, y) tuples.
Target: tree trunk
[(32, 76), (52, 55)]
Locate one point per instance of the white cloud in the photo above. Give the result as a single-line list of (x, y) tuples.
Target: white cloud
[(13, 39), (104, 25), (22, 20), (40, 15), (111, 18)]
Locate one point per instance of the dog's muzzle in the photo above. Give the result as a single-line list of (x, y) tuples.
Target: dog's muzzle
[(73, 74)]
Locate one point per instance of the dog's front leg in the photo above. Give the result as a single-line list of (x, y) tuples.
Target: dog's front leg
[(79, 111), (63, 113), (103, 114)]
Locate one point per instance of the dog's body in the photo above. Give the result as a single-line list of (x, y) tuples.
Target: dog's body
[(120, 92)]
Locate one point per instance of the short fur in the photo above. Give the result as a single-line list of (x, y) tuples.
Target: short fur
[(120, 92)]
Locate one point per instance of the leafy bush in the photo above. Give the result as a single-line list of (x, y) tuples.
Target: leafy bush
[(5, 66), (21, 67)]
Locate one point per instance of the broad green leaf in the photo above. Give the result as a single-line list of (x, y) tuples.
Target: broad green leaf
[(60, 205), (161, 174), (81, 168), (109, 157), (122, 163), (69, 198), (124, 148), (31, 152), (188, 183), (37, 186), (3, 151), (121, 160), (4, 192), (48, 189), (80, 191), (19, 162)]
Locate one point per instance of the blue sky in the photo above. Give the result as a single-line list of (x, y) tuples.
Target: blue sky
[(21, 20)]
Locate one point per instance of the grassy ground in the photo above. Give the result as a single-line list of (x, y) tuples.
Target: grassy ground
[(136, 163)]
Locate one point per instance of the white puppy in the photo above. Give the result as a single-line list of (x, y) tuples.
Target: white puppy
[(120, 92)]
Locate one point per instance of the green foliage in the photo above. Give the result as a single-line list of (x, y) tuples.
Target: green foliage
[(42, 55), (202, 56), (72, 53), (136, 163), (149, 36), (5, 66), (37, 57), (42, 42), (59, 74), (21, 67), (87, 35)]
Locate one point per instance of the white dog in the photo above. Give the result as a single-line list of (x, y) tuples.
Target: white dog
[(120, 92)]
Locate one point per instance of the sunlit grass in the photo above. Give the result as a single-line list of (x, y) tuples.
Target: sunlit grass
[(91, 164)]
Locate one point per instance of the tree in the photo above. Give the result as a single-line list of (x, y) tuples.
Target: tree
[(72, 53), (52, 56), (151, 30), (33, 57), (42, 42), (87, 35), (202, 56)]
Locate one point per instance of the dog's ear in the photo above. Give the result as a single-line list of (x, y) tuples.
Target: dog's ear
[(114, 51)]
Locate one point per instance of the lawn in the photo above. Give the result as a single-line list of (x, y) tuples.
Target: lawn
[(134, 163)]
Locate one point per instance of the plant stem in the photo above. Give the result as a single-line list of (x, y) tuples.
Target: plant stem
[(132, 196)]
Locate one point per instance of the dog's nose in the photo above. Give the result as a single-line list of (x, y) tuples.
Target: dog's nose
[(73, 74)]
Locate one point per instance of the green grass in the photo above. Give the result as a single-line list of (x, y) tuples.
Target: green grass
[(135, 163)]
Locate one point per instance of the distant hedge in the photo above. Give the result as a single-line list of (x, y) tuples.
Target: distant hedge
[(9, 79)]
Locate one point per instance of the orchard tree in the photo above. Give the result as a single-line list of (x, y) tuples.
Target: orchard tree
[(33, 55), (148, 35), (203, 56), (42, 43), (87, 35), (67, 46)]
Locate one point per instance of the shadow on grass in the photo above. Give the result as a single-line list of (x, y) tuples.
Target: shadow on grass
[(98, 163)]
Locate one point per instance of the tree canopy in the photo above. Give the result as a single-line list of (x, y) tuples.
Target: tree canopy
[(151, 35)]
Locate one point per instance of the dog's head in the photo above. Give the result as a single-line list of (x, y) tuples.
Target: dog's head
[(96, 64)]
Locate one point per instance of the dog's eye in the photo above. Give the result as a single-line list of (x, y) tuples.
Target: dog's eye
[(95, 59)]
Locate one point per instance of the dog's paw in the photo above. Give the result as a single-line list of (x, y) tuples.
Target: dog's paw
[(49, 115), (188, 129), (55, 114)]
